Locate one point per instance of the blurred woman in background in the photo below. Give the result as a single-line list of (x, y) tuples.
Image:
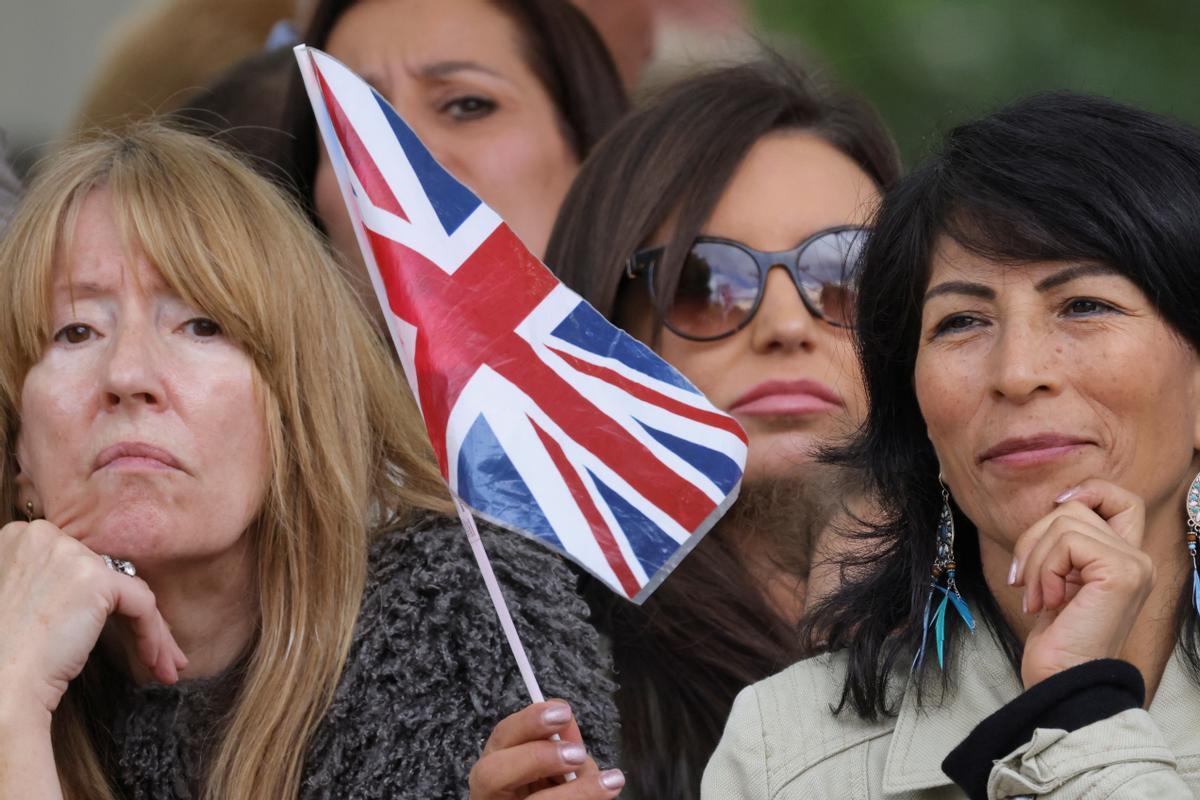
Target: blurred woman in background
[(722, 225), (509, 95)]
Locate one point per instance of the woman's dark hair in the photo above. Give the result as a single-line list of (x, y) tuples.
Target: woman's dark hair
[(672, 160), (560, 45), (1056, 177), (708, 631), (705, 634)]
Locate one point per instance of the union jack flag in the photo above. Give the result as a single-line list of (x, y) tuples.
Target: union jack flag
[(544, 417)]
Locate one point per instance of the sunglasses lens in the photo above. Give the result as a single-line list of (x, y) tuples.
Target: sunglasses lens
[(717, 289), (829, 271)]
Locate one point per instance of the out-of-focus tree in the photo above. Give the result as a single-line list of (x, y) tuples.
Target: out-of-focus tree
[(930, 63)]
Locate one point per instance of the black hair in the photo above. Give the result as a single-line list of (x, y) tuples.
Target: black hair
[(1055, 177)]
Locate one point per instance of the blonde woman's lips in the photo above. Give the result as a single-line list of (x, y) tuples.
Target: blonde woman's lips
[(136, 455)]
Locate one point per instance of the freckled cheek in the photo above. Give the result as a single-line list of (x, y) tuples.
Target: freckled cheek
[(943, 394)]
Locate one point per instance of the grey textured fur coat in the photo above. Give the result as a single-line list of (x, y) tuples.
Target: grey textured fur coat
[(429, 674)]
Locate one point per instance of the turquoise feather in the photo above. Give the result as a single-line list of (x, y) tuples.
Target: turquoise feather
[(920, 656), (939, 627), (1196, 589), (963, 611)]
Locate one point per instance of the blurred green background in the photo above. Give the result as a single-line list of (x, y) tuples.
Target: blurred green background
[(928, 64)]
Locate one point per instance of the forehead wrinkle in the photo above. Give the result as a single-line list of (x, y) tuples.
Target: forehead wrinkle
[(449, 68)]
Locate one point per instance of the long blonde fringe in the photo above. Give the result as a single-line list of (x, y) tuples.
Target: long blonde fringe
[(349, 454)]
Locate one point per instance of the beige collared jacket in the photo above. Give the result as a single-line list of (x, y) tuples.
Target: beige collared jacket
[(782, 741)]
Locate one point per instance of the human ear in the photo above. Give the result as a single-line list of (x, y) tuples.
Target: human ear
[(27, 493), (1196, 401)]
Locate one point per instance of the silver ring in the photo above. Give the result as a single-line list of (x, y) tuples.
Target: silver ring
[(119, 565)]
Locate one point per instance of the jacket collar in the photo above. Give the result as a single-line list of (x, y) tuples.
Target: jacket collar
[(1175, 708), (925, 735), (984, 682)]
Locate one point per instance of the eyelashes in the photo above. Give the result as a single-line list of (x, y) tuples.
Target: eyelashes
[(1076, 307)]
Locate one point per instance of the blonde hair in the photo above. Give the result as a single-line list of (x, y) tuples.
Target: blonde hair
[(349, 454)]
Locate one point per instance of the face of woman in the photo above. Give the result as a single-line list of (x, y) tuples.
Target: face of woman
[(142, 431), (1036, 377), (456, 72), (790, 379)]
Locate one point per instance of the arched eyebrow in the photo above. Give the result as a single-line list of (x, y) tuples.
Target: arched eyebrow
[(1060, 278), (440, 69), (1071, 273), (961, 287)]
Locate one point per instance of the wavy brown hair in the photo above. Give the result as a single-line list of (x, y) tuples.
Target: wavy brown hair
[(348, 453)]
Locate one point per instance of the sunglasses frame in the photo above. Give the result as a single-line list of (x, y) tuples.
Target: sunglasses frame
[(646, 260)]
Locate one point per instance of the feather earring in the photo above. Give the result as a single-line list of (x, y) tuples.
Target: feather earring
[(944, 568)]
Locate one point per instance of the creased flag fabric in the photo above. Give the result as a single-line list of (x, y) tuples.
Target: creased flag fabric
[(544, 417)]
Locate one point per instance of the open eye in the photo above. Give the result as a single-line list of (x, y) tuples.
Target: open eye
[(955, 323), (75, 333), (469, 107), (1086, 306), (202, 327)]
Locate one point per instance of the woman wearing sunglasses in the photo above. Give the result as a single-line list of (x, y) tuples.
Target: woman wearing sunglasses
[(721, 225)]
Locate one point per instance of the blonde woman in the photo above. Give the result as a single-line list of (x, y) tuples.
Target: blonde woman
[(224, 573)]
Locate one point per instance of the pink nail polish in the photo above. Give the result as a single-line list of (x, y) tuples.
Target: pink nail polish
[(556, 714), (1067, 495), (1024, 604), (573, 753), (1012, 572), (612, 779)]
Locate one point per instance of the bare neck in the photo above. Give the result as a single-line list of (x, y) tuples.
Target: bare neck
[(210, 606)]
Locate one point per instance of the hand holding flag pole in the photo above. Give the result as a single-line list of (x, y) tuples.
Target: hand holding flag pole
[(545, 418)]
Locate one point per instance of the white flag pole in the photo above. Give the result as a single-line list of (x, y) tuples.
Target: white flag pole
[(501, 606), (493, 587), (305, 59)]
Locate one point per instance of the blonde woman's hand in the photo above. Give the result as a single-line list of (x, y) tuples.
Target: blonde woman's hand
[(1085, 576), (520, 761), (55, 597)]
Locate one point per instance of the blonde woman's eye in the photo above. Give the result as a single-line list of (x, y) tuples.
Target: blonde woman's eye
[(202, 327), (75, 333)]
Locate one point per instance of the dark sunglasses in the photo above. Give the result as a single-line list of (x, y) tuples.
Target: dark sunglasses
[(722, 281)]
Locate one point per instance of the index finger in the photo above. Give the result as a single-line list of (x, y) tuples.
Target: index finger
[(1124, 511), (535, 721), (132, 599)]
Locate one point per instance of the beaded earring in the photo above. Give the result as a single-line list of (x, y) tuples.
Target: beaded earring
[(943, 567), (1193, 514)]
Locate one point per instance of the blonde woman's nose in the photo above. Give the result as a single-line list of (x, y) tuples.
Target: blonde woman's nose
[(133, 368)]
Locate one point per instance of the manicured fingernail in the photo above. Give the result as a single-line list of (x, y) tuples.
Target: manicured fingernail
[(1012, 572), (1067, 495), (612, 779), (556, 714), (573, 753), (1024, 604)]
